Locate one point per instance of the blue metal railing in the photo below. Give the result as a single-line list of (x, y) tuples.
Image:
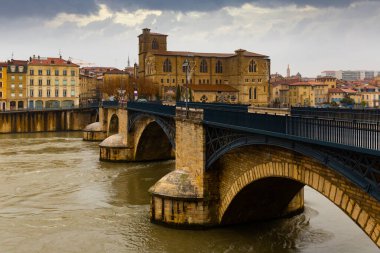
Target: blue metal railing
[(110, 104), (338, 113), (349, 134), (215, 106), (152, 108)]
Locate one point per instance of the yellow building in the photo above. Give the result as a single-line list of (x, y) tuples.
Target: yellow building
[(242, 70), (16, 96), (52, 83), (3, 85), (329, 80), (308, 94)]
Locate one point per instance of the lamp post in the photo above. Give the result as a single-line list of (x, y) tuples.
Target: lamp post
[(186, 65)]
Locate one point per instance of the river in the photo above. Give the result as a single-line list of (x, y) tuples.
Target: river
[(55, 196)]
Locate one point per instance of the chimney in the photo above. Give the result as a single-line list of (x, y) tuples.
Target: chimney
[(146, 30)]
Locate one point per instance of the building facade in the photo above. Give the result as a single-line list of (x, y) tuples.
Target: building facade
[(245, 71), (3, 85), (308, 94), (52, 83), (16, 96)]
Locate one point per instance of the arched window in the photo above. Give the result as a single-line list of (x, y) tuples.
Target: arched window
[(203, 67), (184, 66), (250, 93), (252, 66), (167, 66), (218, 67), (254, 93), (154, 44)]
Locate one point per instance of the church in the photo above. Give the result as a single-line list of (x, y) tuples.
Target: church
[(239, 77)]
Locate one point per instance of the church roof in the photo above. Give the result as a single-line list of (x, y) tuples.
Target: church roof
[(218, 55)]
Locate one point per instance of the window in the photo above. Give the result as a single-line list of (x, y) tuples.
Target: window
[(40, 72), (40, 93), (168, 80), (64, 93), (162, 80), (64, 82), (1, 84), (31, 72), (252, 66), (72, 72), (56, 93), (1, 75), (167, 66), (154, 44), (48, 72), (13, 68), (57, 72), (173, 80), (31, 93), (12, 94), (20, 85), (250, 93), (203, 67), (73, 93), (20, 69), (13, 78), (31, 82), (56, 82), (1, 94), (184, 67), (12, 86), (218, 67), (20, 95), (48, 93), (72, 82), (48, 82), (254, 93), (20, 78), (65, 73), (39, 82)]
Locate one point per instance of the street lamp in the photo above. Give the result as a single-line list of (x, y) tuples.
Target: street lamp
[(186, 65)]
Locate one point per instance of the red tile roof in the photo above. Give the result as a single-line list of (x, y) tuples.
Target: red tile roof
[(212, 88), (220, 55), (51, 61), (3, 64), (308, 84)]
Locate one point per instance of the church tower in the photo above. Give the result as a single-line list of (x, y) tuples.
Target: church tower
[(288, 71), (150, 43)]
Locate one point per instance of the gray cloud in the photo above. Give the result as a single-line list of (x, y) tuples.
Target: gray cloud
[(48, 8)]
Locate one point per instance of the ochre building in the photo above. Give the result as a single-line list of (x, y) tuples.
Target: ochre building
[(247, 72), (3, 85), (52, 83), (16, 96)]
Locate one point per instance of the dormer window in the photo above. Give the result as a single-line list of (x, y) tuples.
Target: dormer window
[(13, 68)]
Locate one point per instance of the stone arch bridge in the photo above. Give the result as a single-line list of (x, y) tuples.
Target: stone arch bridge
[(233, 166)]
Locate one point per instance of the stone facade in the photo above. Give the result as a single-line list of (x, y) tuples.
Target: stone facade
[(245, 71)]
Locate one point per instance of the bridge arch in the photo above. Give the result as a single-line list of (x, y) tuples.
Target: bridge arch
[(245, 170), (113, 127), (153, 136)]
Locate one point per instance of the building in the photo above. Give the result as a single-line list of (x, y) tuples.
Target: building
[(370, 95), (3, 85), (52, 83), (214, 93), (337, 94), (349, 75), (244, 71), (16, 96), (329, 80), (308, 94), (116, 80)]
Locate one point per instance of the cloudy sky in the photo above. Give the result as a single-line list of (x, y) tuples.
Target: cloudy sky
[(310, 35)]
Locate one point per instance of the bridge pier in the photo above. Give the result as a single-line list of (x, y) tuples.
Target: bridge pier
[(179, 198)]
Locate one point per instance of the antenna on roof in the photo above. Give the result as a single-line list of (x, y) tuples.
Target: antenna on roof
[(12, 56), (60, 53)]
